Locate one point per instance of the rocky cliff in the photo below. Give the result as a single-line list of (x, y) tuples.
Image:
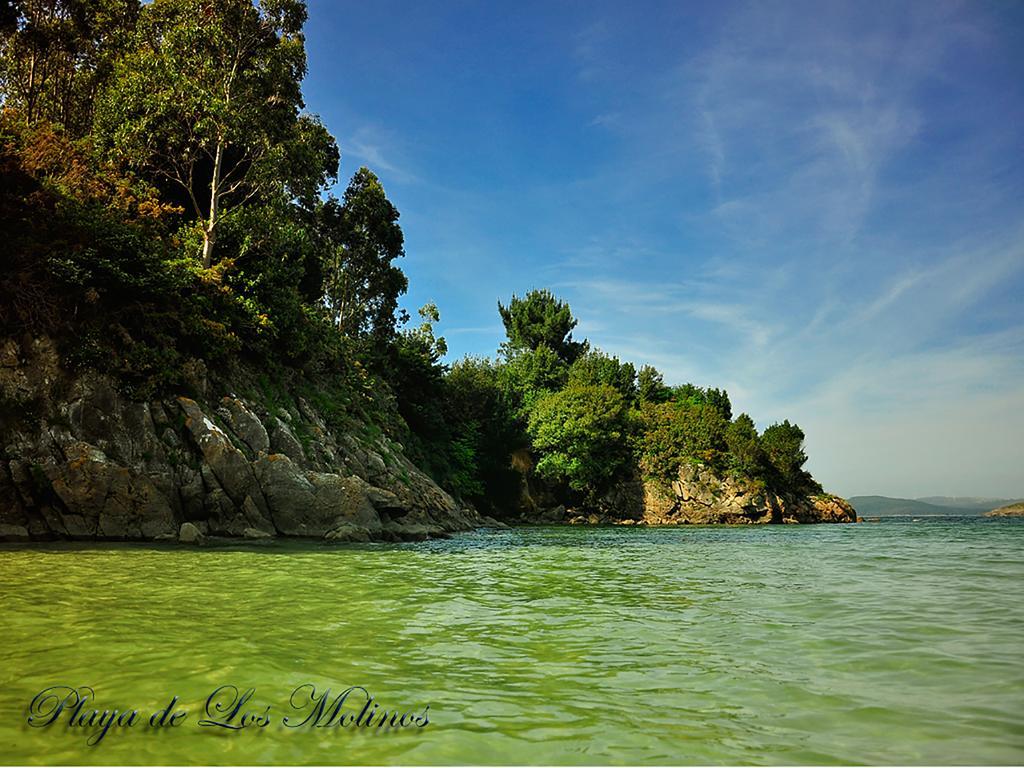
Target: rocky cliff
[(700, 496), (78, 459)]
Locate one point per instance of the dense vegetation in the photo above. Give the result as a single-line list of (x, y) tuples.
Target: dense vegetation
[(166, 208)]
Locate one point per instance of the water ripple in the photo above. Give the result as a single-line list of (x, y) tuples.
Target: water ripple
[(887, 643)]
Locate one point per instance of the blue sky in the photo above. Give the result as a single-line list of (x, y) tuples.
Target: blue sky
[(819, 206)]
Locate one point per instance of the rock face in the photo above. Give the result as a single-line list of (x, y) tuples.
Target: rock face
[(700, 496), (80, 460)]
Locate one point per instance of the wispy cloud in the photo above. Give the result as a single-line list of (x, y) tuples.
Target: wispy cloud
[(375, 147)]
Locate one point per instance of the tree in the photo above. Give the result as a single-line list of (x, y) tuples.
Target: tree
[(595, 367), (783, 444), (362, 285), (581, 434), (208, 101), (417, 375), (433, 347), (273, 261), (680, 431), (651, 386), (717, 398), (540, 318), (55, 54), (478, 415), (745, 453), (530, 374)]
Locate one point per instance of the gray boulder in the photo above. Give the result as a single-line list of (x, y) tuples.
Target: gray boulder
[(190, 534)]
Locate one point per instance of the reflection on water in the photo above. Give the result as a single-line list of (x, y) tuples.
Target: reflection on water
[(887, 643)]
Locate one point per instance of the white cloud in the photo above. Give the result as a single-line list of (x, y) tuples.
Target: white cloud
[(376, 148)]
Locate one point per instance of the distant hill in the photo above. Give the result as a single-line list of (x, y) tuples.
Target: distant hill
[(876, 506), (980, 503)]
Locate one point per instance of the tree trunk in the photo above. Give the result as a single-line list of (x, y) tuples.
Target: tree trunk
[(210, 230), (208, 239), (30, 93)]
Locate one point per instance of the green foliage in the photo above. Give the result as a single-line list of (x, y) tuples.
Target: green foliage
[(56, 54), (678, 432), (476, 404), (362, 239), (783, 444), (539, 319), (746, 456), (433, 347), (719, 400), (595, 367), (416, 376), (716, 398), (273, 273), (463, 476), (460, 429), (581, 435), (140, 309), (651, 386), (206, 102), (529, 374)]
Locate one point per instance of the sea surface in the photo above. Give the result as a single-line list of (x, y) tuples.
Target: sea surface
[(896, 642)]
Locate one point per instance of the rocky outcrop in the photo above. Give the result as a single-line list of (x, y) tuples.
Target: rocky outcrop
[(700, 496), (1010, 510), (833, 509), (80, 460)]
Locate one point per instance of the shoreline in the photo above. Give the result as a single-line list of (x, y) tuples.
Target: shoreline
[(217, 542)]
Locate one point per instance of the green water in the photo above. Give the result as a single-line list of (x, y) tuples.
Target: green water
[(890, 643)]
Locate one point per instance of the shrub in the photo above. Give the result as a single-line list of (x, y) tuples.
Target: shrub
[(582, 436)]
